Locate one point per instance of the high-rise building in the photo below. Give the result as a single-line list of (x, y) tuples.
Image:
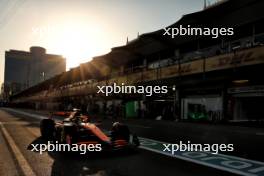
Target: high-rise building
[(25, 69)]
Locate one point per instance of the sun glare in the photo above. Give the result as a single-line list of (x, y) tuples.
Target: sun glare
[(77, 42)]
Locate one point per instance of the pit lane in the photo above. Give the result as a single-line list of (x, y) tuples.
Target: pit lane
[(24, 130)]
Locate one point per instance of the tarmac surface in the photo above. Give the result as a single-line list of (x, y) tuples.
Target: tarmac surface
[(18, 131)]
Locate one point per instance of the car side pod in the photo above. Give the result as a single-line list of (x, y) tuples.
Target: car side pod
[(47, 128)]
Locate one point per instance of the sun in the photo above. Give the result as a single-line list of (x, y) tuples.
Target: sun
[(75, 48), (77, 42)]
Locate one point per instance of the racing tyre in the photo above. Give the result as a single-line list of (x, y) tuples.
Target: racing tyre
[(120, 131)]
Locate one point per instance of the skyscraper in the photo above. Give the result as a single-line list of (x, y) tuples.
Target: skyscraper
[(25, 69)]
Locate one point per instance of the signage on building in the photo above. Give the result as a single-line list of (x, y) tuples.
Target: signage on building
[(235, 59), (249, 89)]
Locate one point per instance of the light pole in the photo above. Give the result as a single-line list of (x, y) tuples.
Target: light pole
[(174, 101), (43, 76)]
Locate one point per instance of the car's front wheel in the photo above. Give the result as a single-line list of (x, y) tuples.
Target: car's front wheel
[(120, 131)]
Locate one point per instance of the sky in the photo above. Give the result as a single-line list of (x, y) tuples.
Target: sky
[(82, 29)]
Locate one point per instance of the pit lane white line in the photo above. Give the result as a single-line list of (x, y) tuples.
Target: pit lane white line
[(36, 116), (197, 162), (24, 165), (18, 123), (247, 167)]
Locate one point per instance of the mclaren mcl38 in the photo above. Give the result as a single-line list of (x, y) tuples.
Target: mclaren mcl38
[(77, 128)]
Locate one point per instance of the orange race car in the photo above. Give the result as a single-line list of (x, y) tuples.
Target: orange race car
[(77, 128)]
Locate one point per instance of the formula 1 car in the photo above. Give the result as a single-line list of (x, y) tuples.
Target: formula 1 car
[(78, 129)]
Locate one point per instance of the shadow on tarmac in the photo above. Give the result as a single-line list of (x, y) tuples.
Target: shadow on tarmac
[(103, 163)]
